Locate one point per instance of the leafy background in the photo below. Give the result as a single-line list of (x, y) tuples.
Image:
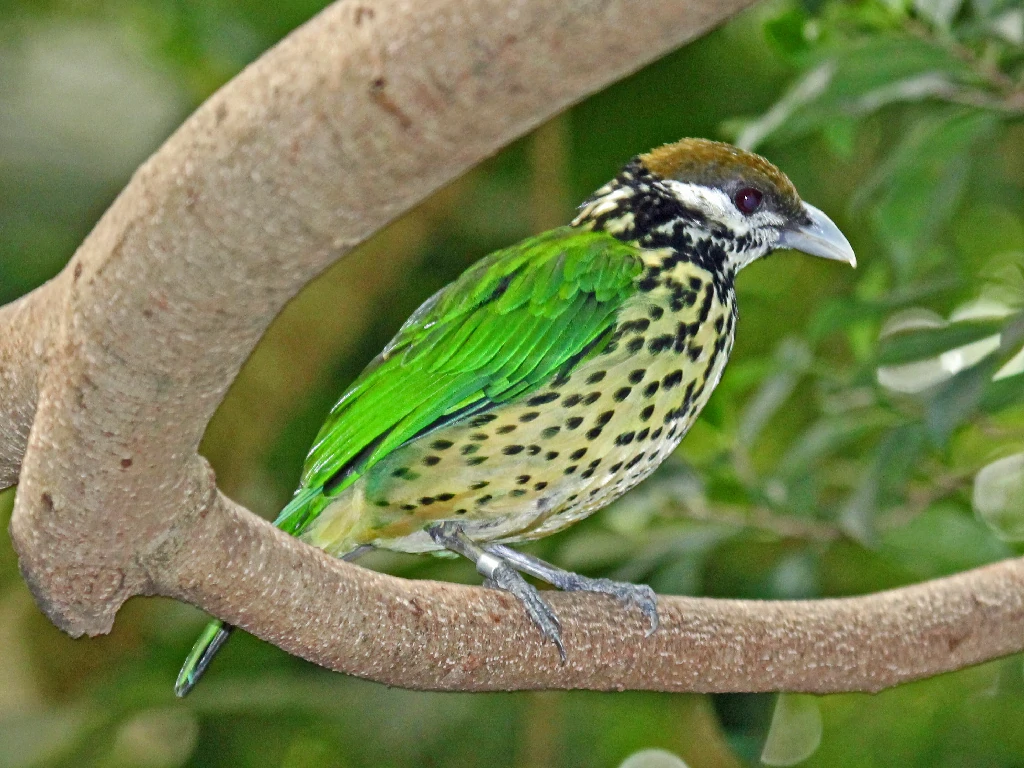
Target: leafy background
[(869, 432)]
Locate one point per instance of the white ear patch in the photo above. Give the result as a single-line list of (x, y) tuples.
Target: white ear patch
[(718, 206), (713, 203), (757, 231)]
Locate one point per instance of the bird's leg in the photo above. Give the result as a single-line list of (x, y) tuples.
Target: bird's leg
[(500, 575), (640, 595)]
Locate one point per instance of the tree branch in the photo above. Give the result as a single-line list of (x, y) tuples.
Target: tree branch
[(437, 636), (113, 370)]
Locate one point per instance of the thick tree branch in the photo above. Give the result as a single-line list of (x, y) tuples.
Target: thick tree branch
[(113, 370), (28, 326), (431, 635)]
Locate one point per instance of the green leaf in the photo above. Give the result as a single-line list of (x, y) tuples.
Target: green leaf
[(921, 183), (924, 343), (956, 400), (1011, 335), (792, 359), (1009, 389), (653, 758), (841, 313), (829, 435), (841, 136), (785, 33), (859, 78), (939, 12), (998, 497), (894, 461), (795, 732), (941, 541), (807, 90), (845, 311), (1003, 393)]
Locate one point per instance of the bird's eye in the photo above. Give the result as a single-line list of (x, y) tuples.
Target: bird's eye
[(748, 200)]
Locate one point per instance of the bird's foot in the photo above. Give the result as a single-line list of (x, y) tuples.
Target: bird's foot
[(498, 574), (639, 595)]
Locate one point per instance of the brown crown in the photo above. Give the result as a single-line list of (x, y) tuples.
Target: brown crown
[(714, 163)]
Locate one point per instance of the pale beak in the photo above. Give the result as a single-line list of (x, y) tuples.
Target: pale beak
[(819, 237)]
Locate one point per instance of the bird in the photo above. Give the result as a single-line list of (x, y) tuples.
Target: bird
[(550, 378)]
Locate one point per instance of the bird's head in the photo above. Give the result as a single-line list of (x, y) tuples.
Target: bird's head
[(720, 205)]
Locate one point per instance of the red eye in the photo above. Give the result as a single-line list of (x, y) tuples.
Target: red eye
[(748, 200)]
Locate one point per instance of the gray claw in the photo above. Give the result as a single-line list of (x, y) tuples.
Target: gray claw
[(505, 578), (639, 595)]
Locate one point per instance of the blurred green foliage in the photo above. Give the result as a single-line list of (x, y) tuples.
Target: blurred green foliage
[(868, 433)]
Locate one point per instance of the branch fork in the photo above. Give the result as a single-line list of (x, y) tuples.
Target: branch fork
[(110, 373)]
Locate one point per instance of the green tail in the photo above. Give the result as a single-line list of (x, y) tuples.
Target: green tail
[(291, 520), (206, 647), (303, 507)]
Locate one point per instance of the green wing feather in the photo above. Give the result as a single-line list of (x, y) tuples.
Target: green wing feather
[(511, 322)]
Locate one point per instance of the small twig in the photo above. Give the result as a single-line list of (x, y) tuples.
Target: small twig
[(1011, 93)]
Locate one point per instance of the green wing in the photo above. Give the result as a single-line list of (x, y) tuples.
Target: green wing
[(508, 324)]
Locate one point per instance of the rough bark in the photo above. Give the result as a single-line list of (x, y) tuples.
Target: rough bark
[(112, 371)]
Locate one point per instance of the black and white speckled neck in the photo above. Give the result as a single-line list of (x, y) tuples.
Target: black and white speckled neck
[(638, 207)]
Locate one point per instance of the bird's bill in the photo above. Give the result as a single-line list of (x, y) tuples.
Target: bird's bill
[(819, 237)]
